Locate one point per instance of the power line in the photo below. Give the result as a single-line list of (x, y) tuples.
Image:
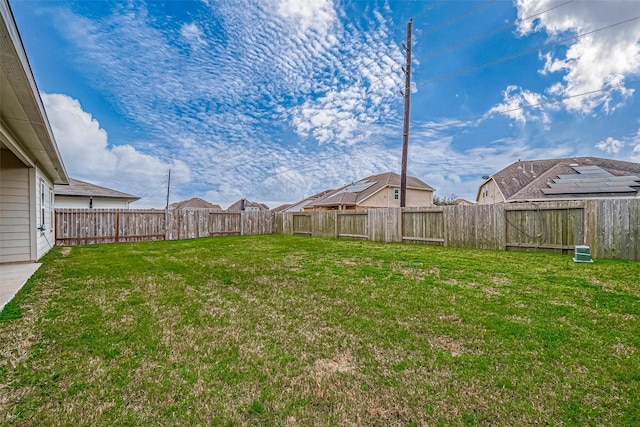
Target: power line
[(459, 17), (489, 33), (431, 81), (474, 39), (460, 122), (462, 72), (526, 52), (554, 101)]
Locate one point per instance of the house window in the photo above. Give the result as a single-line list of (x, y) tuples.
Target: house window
[(53, 218), (42, 193), (396, 194), (485, 190)]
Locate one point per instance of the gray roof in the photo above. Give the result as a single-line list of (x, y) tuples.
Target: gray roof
[(353, 194), (194, 203), (576, 177), (281, 207), (299, 205), (247, 204), (77, 188)]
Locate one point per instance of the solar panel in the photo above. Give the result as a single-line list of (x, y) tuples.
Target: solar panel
[(592, 180), (588, 170), (588, 190), (357, 187), (582, 178)]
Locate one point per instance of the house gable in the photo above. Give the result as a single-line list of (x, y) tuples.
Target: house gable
[(489, 193)]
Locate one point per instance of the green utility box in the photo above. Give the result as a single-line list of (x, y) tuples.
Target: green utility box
[(583, 254)]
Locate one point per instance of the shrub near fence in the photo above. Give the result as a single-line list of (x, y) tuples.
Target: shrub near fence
[(610, 227), (90, 226)]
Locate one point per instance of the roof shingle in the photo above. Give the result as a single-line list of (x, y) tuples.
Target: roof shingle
[(77, 188), (530, 180)]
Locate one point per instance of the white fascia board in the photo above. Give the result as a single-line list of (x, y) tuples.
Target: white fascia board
[(10, 142)]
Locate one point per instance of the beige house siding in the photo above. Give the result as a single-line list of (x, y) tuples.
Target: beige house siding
[(419, 198), (386, 198), (44, 214), (489, 193), (15, 236), (381, 199)]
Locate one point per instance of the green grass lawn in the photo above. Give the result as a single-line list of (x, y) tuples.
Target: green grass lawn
[(283, 330)]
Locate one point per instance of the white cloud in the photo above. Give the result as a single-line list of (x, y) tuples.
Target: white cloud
[(317, 15), (192, 33), (634, 141), (521, 105), (610, 145), (594, 62), (88, 156)]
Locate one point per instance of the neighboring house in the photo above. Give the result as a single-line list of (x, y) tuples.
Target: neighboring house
[(30, 163), (247, 205), (562, 179), (299, 206), (375, 191), (194, 203), (281, 208), (462, 202), (83, 195)]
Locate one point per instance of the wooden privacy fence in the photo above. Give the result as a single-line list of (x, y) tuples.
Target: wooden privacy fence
[(610, 227), (90, 226)]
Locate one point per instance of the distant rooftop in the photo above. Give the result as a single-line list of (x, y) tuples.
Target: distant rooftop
[(77, 188), (194, 203)]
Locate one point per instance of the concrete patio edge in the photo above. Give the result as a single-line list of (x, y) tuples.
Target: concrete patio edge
[(12, 279)]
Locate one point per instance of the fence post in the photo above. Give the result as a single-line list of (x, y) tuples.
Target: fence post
[(166, 224), (445, 230), (117, 227)]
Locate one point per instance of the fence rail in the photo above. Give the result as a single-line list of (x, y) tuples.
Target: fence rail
[(90, 226), (611, 227)]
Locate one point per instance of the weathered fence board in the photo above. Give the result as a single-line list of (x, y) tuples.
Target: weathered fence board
[(132, 226), (324, 224), (89, 226), (352, 224), (423, 226), (610, 227), (224, 223), (554, 229), (385, 225), (618, 229), (477, 226), (301, 223), (257, 222)]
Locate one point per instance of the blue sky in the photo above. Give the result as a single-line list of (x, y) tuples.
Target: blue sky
[(275, 100)]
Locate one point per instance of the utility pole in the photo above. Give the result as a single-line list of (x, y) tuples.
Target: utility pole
[(407, 103), (168, 189)]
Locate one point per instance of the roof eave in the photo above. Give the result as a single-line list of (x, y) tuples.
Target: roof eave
[(44, 149)]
